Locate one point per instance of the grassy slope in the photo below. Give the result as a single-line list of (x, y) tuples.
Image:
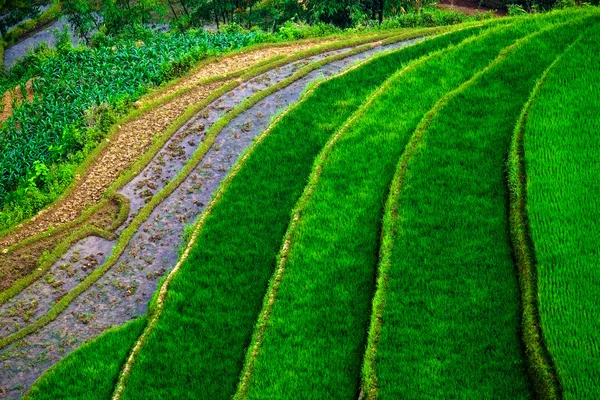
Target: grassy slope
[(451, 316), (315, 341), (212, 304), (91, 372), (562, 168)]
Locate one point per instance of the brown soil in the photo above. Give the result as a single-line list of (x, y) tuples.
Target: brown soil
[(468, 7), (29, 90), (134, 138), (21, 262), (7, 103), (105, 217), (7, 99)]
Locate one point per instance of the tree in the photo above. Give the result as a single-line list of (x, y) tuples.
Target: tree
[(14, 11), (80, 14)]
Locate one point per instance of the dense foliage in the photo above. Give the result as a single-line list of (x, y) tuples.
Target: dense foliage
[(271, 14), (14, 11), (268, 14)]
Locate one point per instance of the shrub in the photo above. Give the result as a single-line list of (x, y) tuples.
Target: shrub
[(516, 10), (562, 4)]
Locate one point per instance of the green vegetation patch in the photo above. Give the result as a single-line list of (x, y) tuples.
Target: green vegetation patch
[(212, 304), (450, 322), (79, 94), (561, 150), (91, 372), (314, 341)]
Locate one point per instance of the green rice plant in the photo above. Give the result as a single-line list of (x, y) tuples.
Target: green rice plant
[(540, 366), (311, 341), (91, 372), (212, 303), (562, 166), (446, 312)]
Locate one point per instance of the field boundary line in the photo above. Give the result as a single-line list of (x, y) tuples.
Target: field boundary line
[(389, 232), (158, 305), (540, 365)]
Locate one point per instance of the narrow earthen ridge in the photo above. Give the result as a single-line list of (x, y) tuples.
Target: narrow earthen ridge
[(542, 371), (389, 229)]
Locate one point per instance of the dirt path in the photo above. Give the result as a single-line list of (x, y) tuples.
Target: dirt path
[(468, 7), (134, 138), (17, 96), (123, 292)]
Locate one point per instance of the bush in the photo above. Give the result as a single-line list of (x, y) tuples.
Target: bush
[(100, 39), (301, 30), (562, 4), (233, 28), (516, 10), (429, 17)]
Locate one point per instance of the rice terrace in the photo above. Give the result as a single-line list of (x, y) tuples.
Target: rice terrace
[(283, 199)]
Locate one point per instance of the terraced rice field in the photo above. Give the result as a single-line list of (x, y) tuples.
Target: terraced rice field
[(355, 219)]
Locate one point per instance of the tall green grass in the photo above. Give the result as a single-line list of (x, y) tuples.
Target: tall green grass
[(450, 314), (91, 372), (314, 341), (562, 148), (213, 302)]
